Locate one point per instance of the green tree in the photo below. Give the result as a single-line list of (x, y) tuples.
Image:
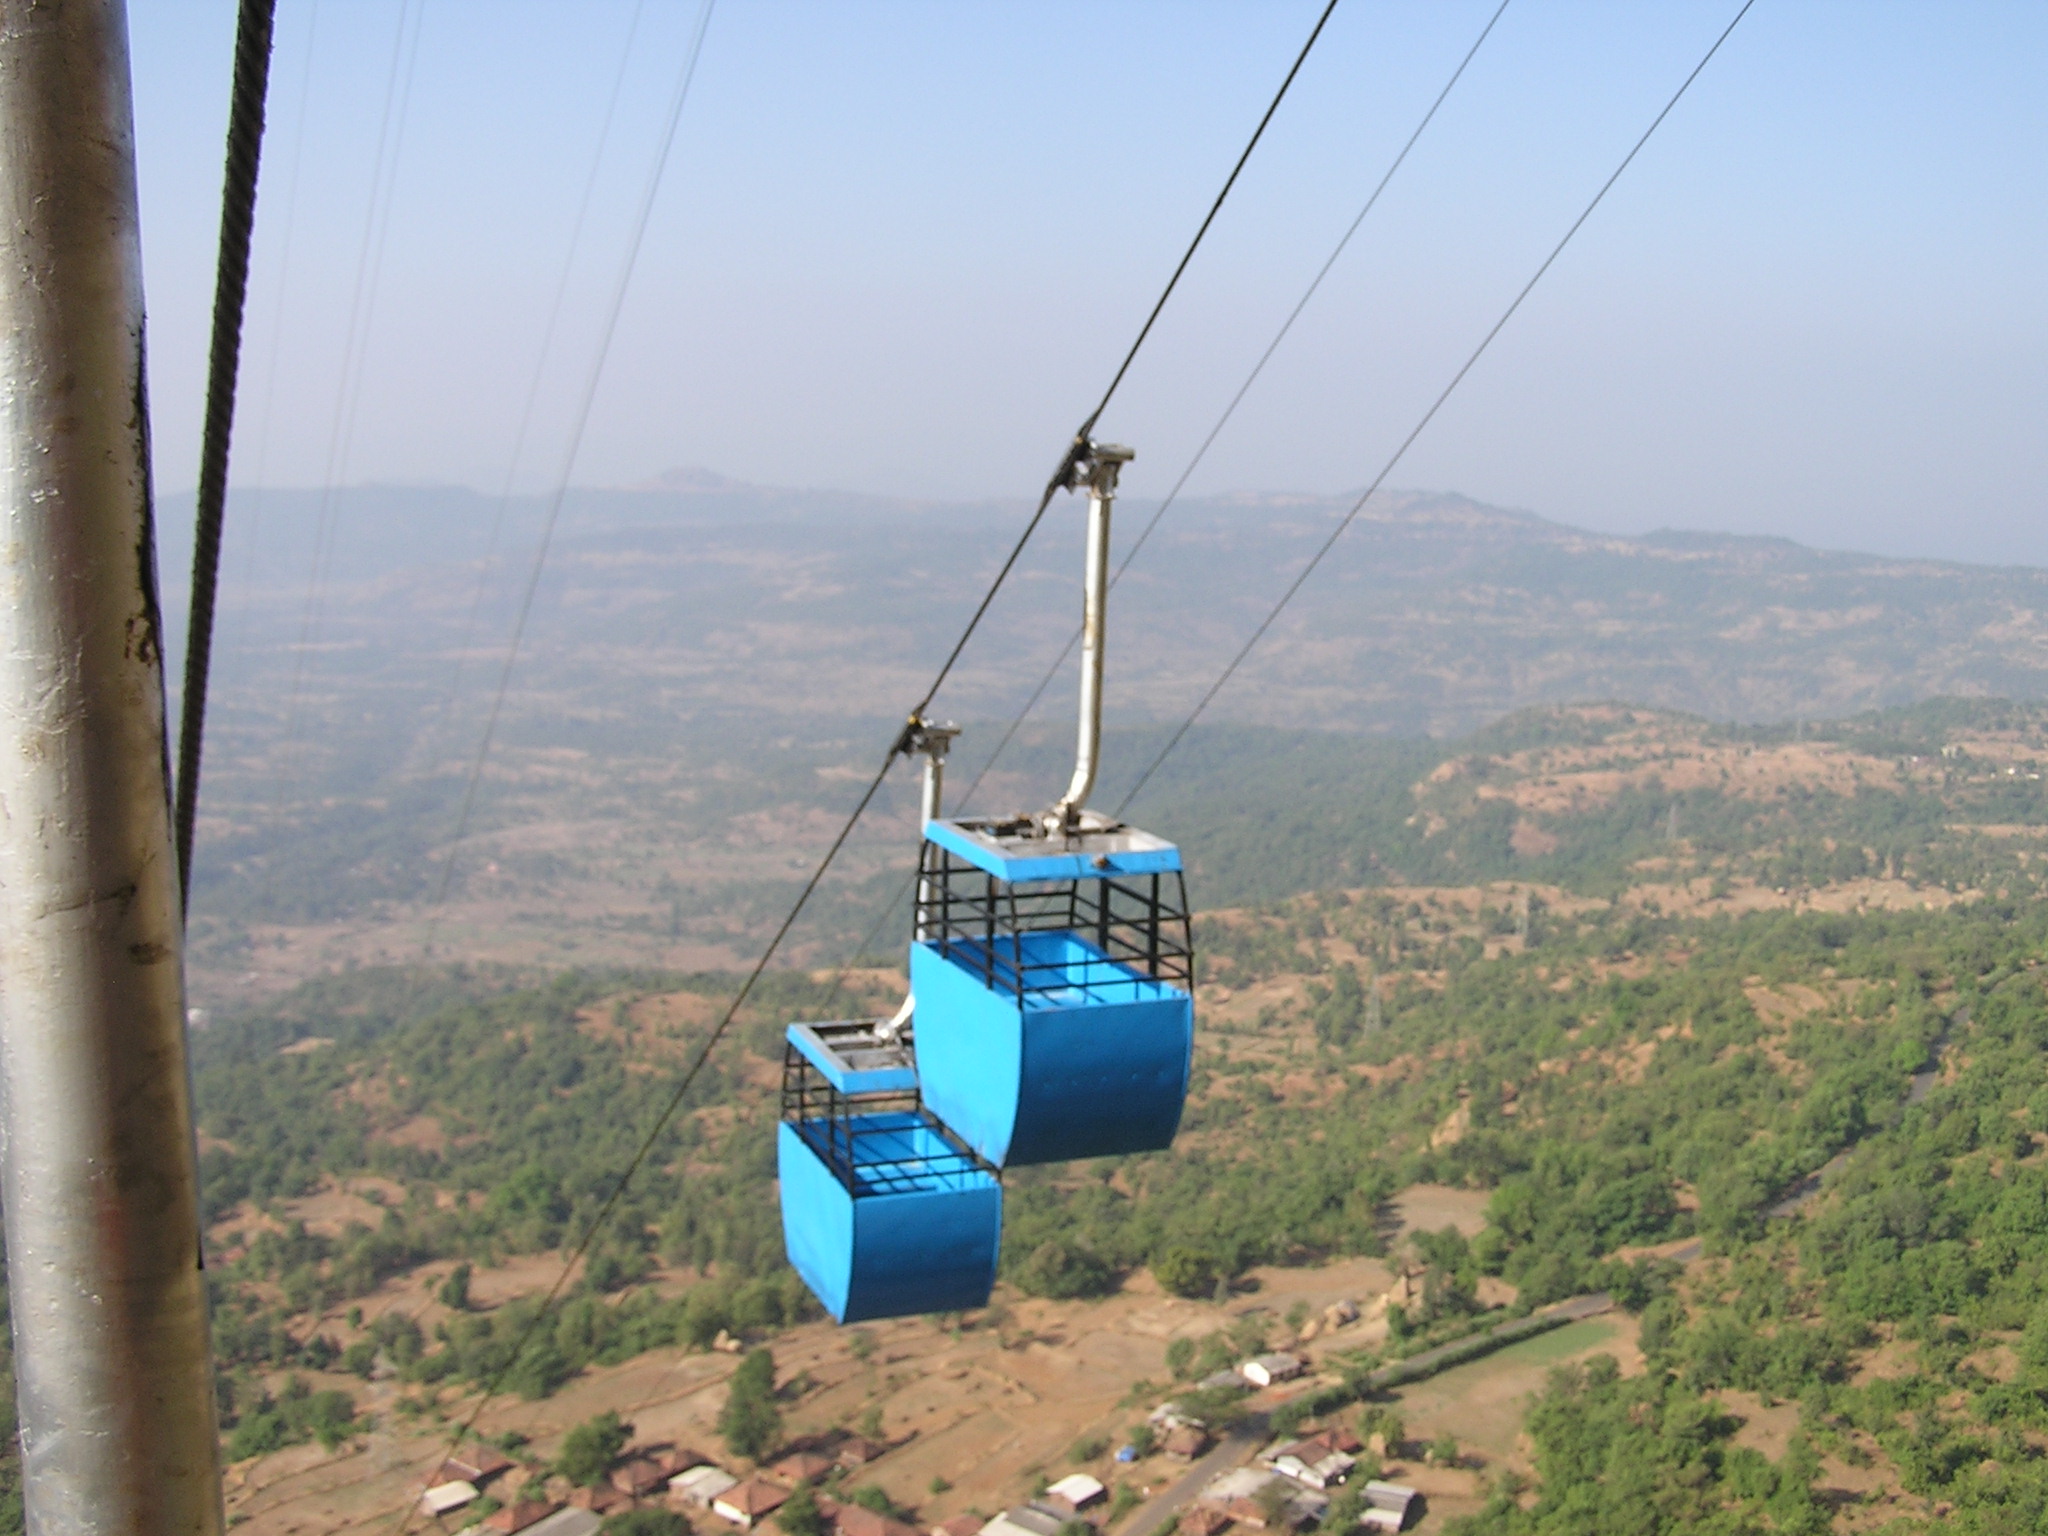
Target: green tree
[(799, 1514), (750, 1420), (589, 1449), (1063, 1271), (454, 1293), (1186, 1271)]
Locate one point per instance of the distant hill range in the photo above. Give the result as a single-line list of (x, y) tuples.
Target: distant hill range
[(712, 670), (1433, 615)]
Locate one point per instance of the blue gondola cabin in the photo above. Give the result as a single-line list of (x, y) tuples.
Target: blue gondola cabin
[(885, 1212), (1054, 1018)]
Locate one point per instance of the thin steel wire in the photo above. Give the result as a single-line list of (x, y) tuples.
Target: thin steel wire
[(575, 446), (1428, 416)]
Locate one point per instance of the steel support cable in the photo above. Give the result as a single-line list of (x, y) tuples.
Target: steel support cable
[(1429, 415), (1237, 399), (253, 26), (376, 226), (1180, 483), (897, 748), (547, 340), (1062, 477), (579, 425)]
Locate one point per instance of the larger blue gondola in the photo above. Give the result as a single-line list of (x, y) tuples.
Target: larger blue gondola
[(1051, 975), (885, 1213)]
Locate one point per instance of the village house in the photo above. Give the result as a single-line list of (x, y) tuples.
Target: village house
[(858, 1450), (745, 1503), (444, 1498), (641, 1476), (566, 1522), (601, 1500), (1387, 1506), (858, 1520), (1075, 1493), (518, 1515), (697, 1486), (1264, 1370), (1026, 1520), (801, 1467), (478, 1464), (1318, 1461)]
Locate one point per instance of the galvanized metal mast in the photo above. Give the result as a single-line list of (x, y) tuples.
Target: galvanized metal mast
[(97, 1164)]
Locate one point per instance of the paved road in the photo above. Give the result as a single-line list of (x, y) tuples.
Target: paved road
[(1241, 1443), (1233, 1450)]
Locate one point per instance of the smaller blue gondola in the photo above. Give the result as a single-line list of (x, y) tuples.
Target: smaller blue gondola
[(1051, 974), (885, 1212)]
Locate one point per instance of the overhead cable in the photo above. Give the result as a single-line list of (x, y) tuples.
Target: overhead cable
[(391, 126), (1230, 410), (579, 424), (1427, 416), (547, 339), (253, 25), (1062, 477)]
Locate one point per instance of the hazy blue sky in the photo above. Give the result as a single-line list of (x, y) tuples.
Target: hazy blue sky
[(900, 246)]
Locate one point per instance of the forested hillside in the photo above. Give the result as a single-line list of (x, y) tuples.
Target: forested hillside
[(1742, 1025)]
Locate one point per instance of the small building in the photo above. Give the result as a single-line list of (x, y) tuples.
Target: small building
[(566, 1522), (519, 1515), (1327, 1470), (858, 1450), (1316, 1461), (1186, 1441), (476, 1464), (680, 1458), (745, 1503), (858, 1520), (641, 1476), (1387, 1506), (959, 1525), (1077, 1491), (801, 1467), (1203, 1520), (1025, 1520), (443, 1498), (1264, 1370), (601, 1500), (699, 1485), (1229, 1377)]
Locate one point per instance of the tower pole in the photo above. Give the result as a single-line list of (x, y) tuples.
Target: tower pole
[(97, 1163)]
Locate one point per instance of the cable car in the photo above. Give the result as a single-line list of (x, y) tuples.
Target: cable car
[(1051, 978), (1053, 962), (885, 1212)]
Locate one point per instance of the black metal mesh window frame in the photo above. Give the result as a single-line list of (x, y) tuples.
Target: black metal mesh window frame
[(829, 1122), (978, 919)]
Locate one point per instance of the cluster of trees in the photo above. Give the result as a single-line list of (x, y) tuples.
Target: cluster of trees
[(296, 1414)]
